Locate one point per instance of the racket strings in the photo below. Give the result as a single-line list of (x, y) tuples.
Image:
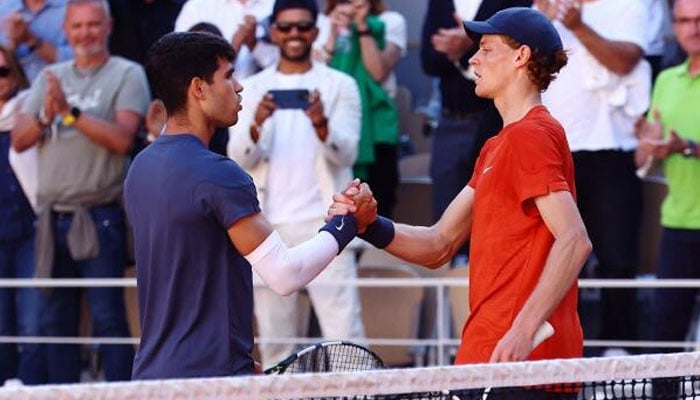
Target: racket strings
[(335, 358)]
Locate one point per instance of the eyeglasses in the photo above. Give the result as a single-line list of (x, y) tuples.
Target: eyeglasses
[(5, 71), (303, 27)]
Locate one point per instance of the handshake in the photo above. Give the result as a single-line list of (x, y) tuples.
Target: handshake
[(356, 200)]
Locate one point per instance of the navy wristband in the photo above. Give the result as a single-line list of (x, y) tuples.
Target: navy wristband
[(379, 233), (343, 228)]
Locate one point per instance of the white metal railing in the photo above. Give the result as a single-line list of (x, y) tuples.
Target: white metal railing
[(442, 342)]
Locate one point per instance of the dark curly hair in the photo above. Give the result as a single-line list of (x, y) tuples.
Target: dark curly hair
[(542, 68)]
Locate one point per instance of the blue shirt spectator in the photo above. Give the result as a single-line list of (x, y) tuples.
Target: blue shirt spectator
[(45, 26)]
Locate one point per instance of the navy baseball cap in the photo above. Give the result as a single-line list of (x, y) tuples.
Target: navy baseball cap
[(524, 25)]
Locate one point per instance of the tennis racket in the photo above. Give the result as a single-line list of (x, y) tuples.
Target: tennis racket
[(332, 356)]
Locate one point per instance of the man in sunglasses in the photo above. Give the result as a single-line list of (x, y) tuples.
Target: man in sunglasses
[(298, 137)]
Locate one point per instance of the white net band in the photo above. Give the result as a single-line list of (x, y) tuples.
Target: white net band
[(375, 382)]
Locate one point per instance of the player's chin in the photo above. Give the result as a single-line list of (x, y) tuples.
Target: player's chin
[(233, 120), (482, 92)]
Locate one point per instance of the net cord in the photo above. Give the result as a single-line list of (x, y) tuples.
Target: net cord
[(375, 382)]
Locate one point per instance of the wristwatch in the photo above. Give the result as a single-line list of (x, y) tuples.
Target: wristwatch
[(70, 118), (691, 149)]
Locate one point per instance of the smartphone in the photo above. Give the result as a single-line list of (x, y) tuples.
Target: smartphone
[(291, 98)]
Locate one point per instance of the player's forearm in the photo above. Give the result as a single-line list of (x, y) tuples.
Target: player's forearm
[(564, 262), (286, 270), (421, 245), (434, 246)]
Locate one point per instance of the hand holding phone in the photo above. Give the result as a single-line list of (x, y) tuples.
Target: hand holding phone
[(290, 98)]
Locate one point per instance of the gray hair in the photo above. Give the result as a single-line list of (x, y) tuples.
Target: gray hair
[(102, 3)]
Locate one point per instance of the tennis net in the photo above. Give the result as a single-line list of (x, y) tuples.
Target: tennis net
[(656, 376)]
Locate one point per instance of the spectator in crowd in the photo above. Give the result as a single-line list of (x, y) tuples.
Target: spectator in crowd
[(298, 157), (242, 22), (32, 30), (466, 120), (357, 43), (597, 98), (83, 115), (657, 27), (137, 24), (380, 62), (670, 133), (20, 308)]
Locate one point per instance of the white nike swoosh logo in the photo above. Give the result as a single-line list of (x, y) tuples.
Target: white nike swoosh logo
[(342, 224), (487, 169)]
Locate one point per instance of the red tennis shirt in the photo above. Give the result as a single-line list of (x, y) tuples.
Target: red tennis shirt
[(510, 241)]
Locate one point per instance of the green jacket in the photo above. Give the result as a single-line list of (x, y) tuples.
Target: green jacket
[(380, 119)]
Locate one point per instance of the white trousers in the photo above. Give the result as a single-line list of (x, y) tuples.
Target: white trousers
[(337, 307)]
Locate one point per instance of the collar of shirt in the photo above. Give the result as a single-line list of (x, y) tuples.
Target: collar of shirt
[(684, 71)]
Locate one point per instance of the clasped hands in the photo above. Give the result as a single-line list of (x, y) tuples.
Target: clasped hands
[(357, 199), (55, 102), (651, 140)]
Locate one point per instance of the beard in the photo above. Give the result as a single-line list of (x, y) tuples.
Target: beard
[(303, 56), (88, 51)]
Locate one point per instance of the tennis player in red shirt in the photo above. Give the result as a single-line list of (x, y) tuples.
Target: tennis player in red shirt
[(528, 242)]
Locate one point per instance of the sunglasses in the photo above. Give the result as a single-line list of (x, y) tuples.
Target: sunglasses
[(5, 71), (303, 27)]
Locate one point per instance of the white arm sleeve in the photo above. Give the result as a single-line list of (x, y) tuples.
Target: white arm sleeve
[(287, 270)]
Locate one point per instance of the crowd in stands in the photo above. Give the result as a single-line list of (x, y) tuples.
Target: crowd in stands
[(75, 107)]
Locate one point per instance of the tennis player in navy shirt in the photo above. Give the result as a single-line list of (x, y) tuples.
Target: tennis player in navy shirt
[(198, 227)]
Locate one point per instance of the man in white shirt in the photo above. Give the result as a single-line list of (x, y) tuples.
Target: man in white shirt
[(298, 157), (597, 98), (240, 21)]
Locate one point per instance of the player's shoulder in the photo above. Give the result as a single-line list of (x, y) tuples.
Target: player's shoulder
[(218, 168), (540, 118), (536, 128)]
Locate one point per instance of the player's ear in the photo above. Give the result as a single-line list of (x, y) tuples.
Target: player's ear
[(196, 88), (523, 54)]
